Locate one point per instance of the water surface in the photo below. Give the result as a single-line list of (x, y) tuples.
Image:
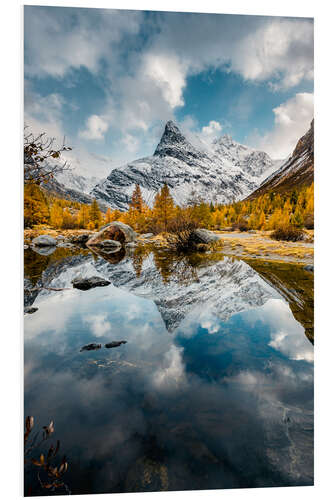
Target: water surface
[(213, 389)]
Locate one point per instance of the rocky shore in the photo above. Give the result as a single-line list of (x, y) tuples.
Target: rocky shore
[(112, 237)]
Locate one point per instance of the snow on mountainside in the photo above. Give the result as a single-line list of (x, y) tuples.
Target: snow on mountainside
[(71, 186), (225, 288), (296, 171), (76, 181), (220, 172)]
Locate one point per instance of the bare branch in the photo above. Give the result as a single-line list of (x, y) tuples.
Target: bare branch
[(40, 153)]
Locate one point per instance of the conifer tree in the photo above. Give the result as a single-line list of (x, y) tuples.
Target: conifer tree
[(262, 220), (56, 217), (164, 207), (137, 200), (83, 216), (108, 216), (95, 214)]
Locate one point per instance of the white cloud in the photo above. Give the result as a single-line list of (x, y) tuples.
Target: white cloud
[(131, 142), (212, 130), (145, 81), (58, 40), (172, 373), (43, 113), (169, 74), (280, 49), (292, 120), (98, 324), (95, 129)]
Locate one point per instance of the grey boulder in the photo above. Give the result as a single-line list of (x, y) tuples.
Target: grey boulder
[(43, 240), (205, 236)]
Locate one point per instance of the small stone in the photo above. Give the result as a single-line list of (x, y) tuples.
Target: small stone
[(65, 244), (309, 268), (115, 343), (87, 283), (30, 310), (91, 347)]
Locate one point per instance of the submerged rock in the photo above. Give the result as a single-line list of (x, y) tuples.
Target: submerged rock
[(87, 283), (65, 244), (91, 347), (30, 310), (205, 236), (146, 235), (108, 244), (43, 250), (80, 239), (43, 240), (115, 343)]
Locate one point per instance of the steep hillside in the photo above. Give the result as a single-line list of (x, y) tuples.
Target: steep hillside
[(297, 171)]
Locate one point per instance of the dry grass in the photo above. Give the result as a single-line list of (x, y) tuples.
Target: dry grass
[(261, 245)]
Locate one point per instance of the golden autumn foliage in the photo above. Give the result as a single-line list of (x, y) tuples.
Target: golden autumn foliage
[(36, 208), (267, 212)]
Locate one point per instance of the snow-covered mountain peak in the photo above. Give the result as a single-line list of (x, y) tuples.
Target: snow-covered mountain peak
[(174, 144), (225, 140), (220, 172)]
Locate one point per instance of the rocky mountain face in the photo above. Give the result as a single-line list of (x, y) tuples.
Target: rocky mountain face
[(77, 182), (298, 170), (220, 172), (71, 186)]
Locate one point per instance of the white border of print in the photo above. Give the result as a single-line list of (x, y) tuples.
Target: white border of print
[(12, 244)]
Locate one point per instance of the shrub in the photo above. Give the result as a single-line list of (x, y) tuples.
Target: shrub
[(288, 233), (242, 226), (181, 238), (309, 221)]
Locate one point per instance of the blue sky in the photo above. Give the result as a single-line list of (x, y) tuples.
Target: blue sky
[(109, 80)]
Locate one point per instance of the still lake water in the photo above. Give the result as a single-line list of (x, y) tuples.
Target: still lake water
[(213, 389)]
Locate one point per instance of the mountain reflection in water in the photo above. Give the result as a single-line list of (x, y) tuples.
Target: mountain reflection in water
[(214, 388)]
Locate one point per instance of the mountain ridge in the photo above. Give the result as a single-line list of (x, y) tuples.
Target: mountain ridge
[(221, 172), (296, 171)]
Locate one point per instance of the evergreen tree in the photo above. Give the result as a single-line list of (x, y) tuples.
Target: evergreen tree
[(108, 216), (95, 215), (137, 200), (164, 207), (56, 217), (83, 216)]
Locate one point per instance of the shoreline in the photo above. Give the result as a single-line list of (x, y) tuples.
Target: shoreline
[(259, 246), (245, 245)]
